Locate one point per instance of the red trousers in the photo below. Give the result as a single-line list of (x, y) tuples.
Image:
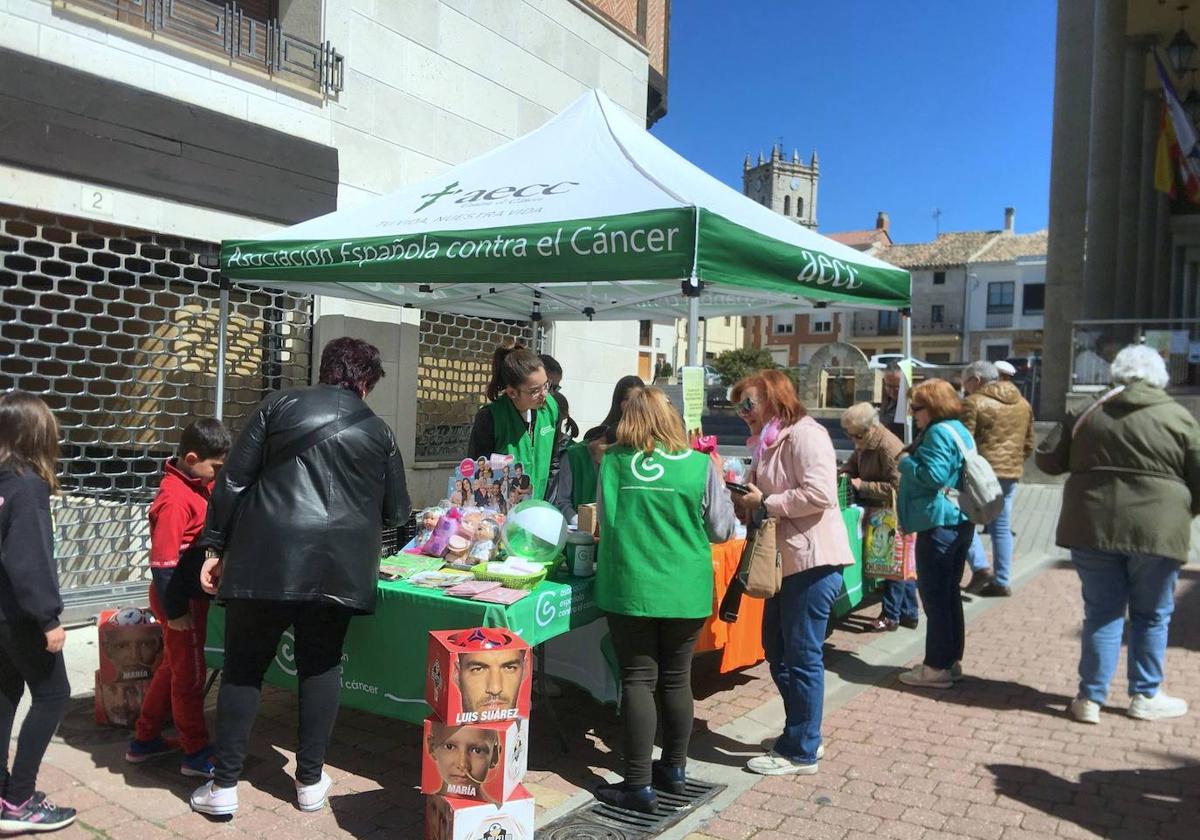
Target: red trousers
[(178, 685)]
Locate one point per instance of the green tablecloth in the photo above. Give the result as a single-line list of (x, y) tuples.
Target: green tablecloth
[(383, 664)]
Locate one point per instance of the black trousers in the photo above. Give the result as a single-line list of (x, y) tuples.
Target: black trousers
[(24, 661), (655, 655), (253, 630)]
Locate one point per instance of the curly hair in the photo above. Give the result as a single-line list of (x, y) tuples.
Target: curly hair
[(351, 363)]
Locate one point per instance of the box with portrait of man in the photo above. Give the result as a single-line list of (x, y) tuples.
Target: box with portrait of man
[(451, 818), (131, 644), (480, 761), (478, 675)]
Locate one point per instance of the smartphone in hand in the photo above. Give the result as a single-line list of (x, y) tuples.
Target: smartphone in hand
[(739, 489)]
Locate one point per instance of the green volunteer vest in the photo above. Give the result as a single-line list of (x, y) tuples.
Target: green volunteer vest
[(654, 557), (512, 438), (583, 475)]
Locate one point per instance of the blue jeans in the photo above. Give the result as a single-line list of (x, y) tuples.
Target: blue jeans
[(1111, 581), (941, 556), (793, 637), (900, 600), (1002, 541)]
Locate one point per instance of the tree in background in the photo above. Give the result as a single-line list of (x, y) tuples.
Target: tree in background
[(735, 364)]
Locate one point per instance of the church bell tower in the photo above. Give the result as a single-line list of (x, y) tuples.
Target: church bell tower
[(789, 187)]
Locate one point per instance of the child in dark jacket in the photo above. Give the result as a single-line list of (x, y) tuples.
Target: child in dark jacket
[(31, 636), (176, 519)]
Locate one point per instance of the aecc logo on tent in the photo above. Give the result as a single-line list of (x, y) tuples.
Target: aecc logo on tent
[(527, 191)]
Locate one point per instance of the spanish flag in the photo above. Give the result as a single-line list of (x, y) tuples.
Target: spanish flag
[(1178, 149), (1165, 155)]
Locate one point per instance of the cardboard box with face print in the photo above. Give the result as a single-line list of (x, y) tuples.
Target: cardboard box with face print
[(450, 818), (131, 644), (478, 675), (480, 761), (119, 703)]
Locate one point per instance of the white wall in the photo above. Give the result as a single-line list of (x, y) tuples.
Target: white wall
[(1020, 273), (593, 355), (429, 83)]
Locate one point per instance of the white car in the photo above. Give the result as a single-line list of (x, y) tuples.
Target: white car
[(882, 361)]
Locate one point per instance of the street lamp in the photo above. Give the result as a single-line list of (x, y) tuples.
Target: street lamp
[(1182, 48)]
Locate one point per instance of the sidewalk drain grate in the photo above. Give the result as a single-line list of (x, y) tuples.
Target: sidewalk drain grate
[(596, 821)]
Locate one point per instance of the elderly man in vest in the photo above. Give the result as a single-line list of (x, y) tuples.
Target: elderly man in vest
[(1001, 421)]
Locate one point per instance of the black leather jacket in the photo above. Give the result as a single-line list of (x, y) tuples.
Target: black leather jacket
[(310, 529)]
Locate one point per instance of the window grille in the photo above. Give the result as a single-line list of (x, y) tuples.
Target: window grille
[(116, 329)]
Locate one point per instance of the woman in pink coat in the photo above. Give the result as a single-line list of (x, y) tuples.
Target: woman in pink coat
[(794, 479)]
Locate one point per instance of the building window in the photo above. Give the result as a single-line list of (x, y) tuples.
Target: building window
[(1000, 298), (995, 352), (822, 324), (799, 206), (728, 320), (784, 327), (889, 321), (1033, 299), (937, 313), (787, 205), (643, 333), (939, 278)]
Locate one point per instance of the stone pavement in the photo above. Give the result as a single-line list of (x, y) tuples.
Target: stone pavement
[(992, 758)]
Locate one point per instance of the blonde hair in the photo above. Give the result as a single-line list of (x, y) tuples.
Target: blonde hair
[(649, 420)]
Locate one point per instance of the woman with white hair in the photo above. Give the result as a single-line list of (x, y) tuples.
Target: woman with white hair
[(1134, 460), (874, 472)]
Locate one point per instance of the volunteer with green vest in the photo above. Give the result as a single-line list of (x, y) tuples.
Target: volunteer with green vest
[(661, 504), (519, 420), (585, 455)]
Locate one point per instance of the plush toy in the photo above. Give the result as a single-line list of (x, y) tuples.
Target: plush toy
[(483, 548)]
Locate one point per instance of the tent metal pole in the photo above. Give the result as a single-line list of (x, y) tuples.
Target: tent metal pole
[(693, 328), (222, 329), (906, 324)]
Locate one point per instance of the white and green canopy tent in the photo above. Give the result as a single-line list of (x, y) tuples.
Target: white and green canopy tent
[(587, 217)]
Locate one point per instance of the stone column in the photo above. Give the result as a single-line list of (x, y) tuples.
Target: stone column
[(1068, 198), (1128, 204), (1104, 158), (1147, 217)]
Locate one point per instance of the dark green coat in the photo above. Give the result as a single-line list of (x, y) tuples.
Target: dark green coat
[(1135, 475)]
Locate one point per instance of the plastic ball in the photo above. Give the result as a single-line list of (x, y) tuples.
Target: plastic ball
[(535, 529)]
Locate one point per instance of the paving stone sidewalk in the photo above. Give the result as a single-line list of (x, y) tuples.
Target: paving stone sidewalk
[(994, 758)]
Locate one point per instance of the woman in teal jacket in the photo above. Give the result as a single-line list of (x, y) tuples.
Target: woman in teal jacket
[(933, 466)]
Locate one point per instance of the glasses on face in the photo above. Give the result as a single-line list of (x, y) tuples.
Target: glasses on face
[(747, 405), (536, 391)]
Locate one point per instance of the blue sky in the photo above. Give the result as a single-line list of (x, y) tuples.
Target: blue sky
[(911, 106)]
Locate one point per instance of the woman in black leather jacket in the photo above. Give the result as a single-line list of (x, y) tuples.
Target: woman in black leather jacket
[(293, 535)]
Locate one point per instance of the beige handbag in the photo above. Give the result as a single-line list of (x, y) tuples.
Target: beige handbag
[(760, 571)]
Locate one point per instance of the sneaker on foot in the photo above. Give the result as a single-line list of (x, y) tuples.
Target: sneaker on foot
[(1084, 710), (214, 801), (956, 673), (641, 799), (140, 751), (923, 676), (35, 814), (198, 764), (1158, 707), (979, 579), (883, 624), (774, 764), (768, 744), (312, 797)]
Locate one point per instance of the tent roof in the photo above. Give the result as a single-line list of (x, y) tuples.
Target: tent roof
[(589, 216)]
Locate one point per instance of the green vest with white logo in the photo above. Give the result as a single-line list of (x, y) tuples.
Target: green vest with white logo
[(583, 474), (654, 557), (512, 437)]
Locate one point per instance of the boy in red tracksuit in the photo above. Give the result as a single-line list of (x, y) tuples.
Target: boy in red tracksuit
[(176, 519)]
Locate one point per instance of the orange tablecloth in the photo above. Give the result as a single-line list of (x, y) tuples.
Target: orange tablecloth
[(740, 643)]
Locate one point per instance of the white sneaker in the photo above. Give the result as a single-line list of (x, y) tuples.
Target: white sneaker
[(215, 801), (774, 764), (923, 676), (1157, 707), (1084, 710), (312, 797), (956, 673)]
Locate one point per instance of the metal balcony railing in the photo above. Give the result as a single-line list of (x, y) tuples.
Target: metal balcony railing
[(999, 320), (223, 28), (925, 326)]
